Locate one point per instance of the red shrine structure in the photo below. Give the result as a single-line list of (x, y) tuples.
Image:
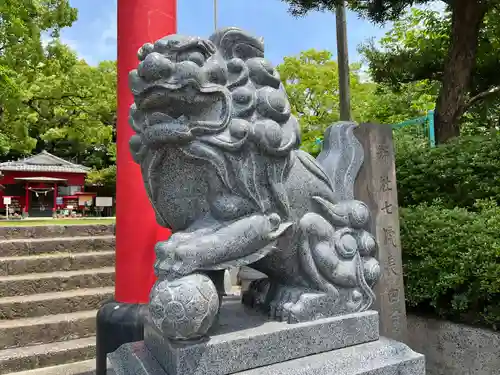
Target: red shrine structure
[(41, 184)]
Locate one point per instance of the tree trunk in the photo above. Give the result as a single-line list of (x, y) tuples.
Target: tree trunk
[(467, 17)]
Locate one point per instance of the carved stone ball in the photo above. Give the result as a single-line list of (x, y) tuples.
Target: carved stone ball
[(184, 309)]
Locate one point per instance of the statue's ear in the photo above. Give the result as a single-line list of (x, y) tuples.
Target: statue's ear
[(233, 42)]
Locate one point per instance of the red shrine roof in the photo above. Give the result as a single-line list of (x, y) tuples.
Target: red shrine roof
[(43, 162)]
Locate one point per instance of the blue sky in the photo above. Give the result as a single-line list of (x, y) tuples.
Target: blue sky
[(93, 36)]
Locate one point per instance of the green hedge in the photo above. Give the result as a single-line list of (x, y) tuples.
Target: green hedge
[(458, 173), (451, 261)]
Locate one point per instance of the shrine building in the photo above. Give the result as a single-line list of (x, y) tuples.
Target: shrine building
[(41, 184)]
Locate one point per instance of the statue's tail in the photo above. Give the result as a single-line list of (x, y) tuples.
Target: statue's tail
[(341, 158)]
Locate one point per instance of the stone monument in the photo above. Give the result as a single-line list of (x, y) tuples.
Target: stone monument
[(218, 150), (376, 186)]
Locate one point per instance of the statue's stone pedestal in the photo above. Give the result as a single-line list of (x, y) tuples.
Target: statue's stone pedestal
[(247, 343)]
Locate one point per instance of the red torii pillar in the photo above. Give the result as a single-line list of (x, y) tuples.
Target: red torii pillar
[(121, 320)]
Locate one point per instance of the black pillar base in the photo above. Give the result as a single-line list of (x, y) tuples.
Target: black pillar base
[(117, 324)]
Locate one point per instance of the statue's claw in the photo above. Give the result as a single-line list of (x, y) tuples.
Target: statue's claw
[(287, 306), (288, 303), (171, 267), (296, 305), (312, 306)]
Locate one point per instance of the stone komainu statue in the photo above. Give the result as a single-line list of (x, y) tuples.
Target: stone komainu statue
[(218, 150)]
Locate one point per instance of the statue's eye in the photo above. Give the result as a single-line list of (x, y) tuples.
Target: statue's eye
[(196, 57)]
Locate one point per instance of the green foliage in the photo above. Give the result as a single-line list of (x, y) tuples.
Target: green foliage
[(457, 173), (311, 81), (455, 49), (452, 261), (375, 10), (49, 99), (76, 109), (412, 100), (22, 56), (415, 50), (105, 177), (410, 139), (417, 46), (67, 107)]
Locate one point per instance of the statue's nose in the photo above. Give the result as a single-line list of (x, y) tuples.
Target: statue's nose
[(154, 67)]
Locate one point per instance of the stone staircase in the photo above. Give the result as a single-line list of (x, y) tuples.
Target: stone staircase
[(52, 281)]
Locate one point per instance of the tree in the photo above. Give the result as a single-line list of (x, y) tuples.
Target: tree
[(49, 99), (466, 23), (66, 107), (73, 112), (22, 24), (312, 84), (415, 49), (102, 180)]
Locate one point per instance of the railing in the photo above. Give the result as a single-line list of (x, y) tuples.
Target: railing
[(429, 118)]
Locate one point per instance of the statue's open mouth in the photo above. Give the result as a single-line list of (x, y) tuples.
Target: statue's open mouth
[(172, 113)]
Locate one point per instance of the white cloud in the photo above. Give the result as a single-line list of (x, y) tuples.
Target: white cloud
[(71, 43), (106, 45)]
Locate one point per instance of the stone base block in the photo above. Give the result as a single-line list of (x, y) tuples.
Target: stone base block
[(381, 357), (245, 342), (244, 339)]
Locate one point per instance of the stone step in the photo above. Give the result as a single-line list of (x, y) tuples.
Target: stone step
[(76, 368), (53, 303), (34, 283), (47, 329), (18, 265), (51, 231), (75, 355), (76, 244)]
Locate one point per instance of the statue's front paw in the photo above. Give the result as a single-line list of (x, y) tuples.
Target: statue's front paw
[(172, 266), (175, 270)]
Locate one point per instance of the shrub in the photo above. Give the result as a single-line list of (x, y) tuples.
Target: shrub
[(102, 177), (408, 139), (457, 173), (451, 261), (102, 181)]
